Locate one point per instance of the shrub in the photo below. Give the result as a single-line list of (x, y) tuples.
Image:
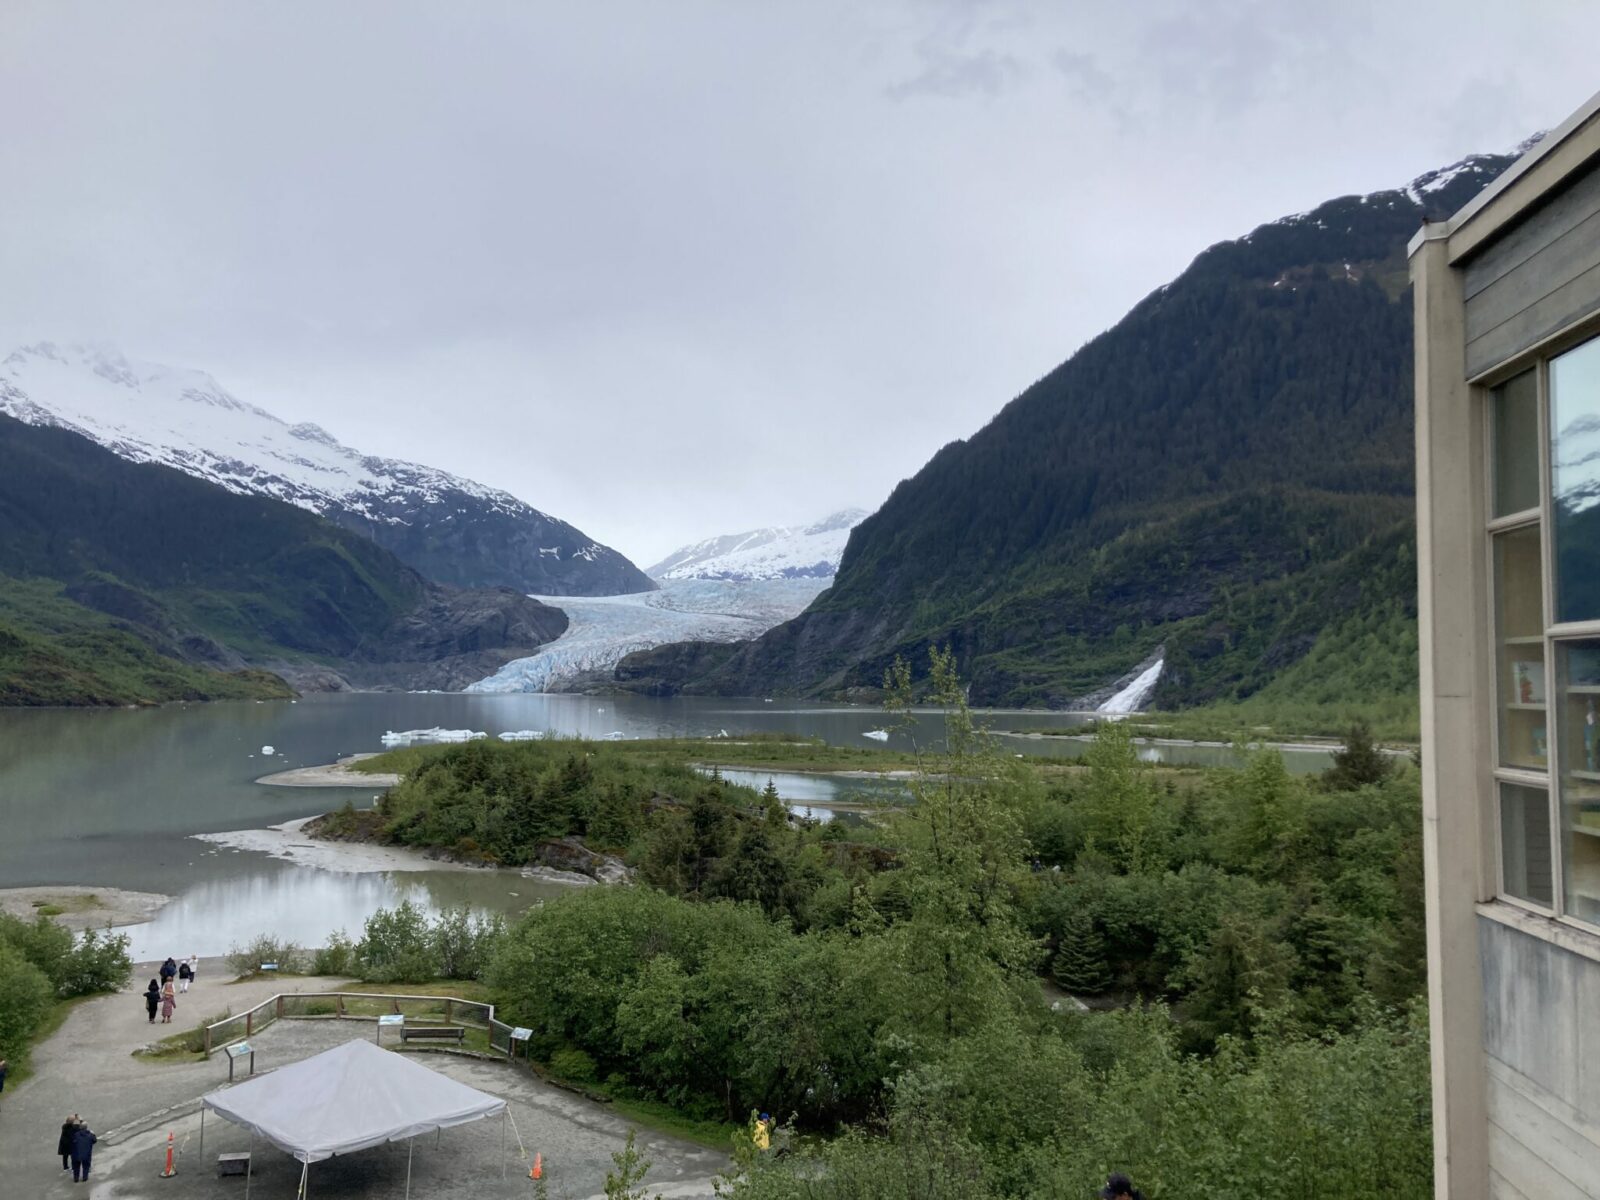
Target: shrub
[(25, 996), (98, 963), (338, 957), (264, 948), (396, 946), (572, 1064)]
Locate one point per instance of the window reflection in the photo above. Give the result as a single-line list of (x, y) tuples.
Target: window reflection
[(1575, 482)]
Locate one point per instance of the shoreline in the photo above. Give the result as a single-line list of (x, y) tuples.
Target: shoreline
[(82, 906), (338, 774)]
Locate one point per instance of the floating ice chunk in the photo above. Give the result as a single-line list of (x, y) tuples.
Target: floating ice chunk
[(877, 735), (267, 751), (522, 735), (616, 735), (412, 737)]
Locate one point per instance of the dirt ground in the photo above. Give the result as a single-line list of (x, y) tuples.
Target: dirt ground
[(87, 1068)]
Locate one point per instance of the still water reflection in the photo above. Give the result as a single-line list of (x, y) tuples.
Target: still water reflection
[(111, 798)]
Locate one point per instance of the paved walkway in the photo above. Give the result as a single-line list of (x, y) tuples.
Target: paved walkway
[(86, 1067)]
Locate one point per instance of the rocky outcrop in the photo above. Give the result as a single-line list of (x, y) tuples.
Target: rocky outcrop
[(570, 855)]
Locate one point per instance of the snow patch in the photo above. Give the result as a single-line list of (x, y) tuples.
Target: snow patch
[(777, 552)]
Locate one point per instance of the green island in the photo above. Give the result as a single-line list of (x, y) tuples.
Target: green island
[(1019, 979)]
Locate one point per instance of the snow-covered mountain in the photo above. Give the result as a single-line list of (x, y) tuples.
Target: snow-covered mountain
[(449, 528), (777, 552), (602, 630)]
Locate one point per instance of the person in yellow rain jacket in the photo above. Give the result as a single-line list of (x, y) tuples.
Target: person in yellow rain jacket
[(761, 1133)]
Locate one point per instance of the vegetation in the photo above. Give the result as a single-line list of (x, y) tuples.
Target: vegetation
[(54, 651), (44, 966), (1258, 939), (1225, 476)]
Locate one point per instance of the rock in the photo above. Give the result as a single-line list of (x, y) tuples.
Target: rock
[(571, 855)]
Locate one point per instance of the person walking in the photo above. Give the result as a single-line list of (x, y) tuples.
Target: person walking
[(152, 1000), (1119, 1187), (169, 1001), (194, 968), (64, 1142), (168, 970), (184, 975), (3, 1068), (83, 1140)]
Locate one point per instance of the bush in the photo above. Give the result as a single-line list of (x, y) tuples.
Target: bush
[(338, 957), (98, 963), (573, 1065), (265, 948), (396, 946), (400, 945), (25, 997)]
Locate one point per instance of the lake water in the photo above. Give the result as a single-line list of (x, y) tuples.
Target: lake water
[(111, 798)]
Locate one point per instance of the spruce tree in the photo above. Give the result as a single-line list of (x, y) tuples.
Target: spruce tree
[(1359, 763), (1080, 964)]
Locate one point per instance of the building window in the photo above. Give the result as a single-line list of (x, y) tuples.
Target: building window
[(1515, 406), (1519, 630), (1525, 860), (1575, 483), (1576, 701)]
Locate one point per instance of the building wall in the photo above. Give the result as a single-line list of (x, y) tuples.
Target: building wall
[(1535, 279), (1541, 1039), (1514, 995)]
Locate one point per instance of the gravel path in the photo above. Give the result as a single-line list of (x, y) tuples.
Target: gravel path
[(86, 1067)]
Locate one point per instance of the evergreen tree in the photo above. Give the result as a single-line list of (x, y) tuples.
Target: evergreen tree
[(1080, 963), (1359, 763)]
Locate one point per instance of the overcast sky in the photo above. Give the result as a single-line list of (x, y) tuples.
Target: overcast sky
[(671, 269)]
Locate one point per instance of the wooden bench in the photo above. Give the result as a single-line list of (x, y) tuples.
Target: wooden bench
[(233, 1164), (434, 1032)]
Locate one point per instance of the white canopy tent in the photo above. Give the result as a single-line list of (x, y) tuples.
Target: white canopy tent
[(350, 1098)]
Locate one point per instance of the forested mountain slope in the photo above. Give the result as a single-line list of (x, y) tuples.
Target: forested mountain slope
[(162, 579), (1224, 478)]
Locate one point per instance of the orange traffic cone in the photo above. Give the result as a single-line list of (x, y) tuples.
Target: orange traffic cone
[(537, 1170), (169, 1172)]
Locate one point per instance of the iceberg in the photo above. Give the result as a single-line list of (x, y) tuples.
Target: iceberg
[(268, 751), (415, 737), (877, 735), (522, 735)]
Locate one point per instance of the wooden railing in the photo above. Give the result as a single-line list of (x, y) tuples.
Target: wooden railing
[(453, 1010)]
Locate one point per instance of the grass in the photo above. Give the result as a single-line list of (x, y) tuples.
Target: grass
[(186, 1045)]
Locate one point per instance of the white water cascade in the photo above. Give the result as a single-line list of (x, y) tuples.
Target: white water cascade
[(1136, 693)]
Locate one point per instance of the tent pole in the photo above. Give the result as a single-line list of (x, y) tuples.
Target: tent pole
[(411, 1143), (250, 1167), (202, 1150), (305, 1170), (503, 1112)]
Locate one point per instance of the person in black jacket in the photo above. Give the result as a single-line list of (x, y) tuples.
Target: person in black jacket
[(83, 1140), (169, 969), (152, 1000), (64, 1142), (1119, 1187)]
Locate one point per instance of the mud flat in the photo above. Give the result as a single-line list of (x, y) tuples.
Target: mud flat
[(82, 907), (338, 775)]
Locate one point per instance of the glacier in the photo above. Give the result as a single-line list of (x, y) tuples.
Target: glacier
[(602, 630)]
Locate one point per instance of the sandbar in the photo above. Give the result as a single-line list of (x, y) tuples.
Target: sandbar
[(336, 774), (83, 907)]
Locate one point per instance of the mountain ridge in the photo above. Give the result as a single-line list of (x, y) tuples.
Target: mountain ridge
[(772, 552), (450, 528), (1201, 477)]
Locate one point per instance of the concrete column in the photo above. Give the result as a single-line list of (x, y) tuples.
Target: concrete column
[(1452, 608)]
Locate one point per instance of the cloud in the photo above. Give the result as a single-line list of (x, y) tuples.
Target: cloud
[(955, 75)]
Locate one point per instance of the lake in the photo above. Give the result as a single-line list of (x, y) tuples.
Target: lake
[(111, 798)]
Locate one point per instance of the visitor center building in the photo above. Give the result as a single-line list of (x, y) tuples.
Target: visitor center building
[(1507, 296)]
